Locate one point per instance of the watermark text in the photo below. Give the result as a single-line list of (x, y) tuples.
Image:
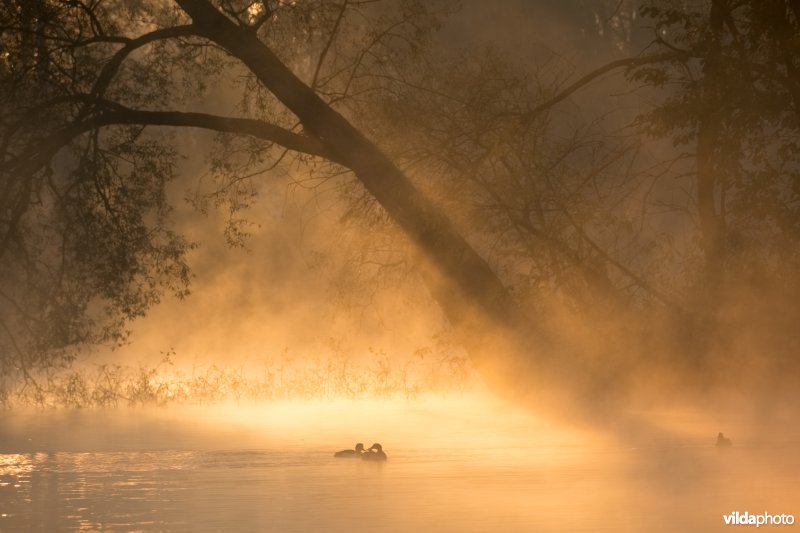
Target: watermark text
[(764, 519)]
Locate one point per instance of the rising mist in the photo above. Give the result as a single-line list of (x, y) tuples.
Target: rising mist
[(582, 209)]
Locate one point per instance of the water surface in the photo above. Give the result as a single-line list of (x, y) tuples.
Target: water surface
[(461, 469)]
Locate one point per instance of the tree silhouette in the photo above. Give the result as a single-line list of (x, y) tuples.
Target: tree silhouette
[(736, 105), (94, 91)]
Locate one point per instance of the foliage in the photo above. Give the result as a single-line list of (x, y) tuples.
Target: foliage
[(505, 202), (734, 79), (86, 237), (543, 198)]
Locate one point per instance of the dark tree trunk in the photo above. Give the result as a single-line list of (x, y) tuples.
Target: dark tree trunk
[(516, 353), (709, 180), (469, 292)]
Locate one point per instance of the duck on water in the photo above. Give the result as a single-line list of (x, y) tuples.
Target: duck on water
[(374, 453), (358, 452)]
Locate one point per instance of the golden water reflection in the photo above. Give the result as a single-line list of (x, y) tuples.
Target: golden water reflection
[(270, 468)]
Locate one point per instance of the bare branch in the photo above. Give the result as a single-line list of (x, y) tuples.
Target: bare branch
[(328, 44), (112, 67), (528, 117)]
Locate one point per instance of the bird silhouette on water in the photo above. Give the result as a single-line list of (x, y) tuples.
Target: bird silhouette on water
[(354, 454), (723, 441), (374, 453)]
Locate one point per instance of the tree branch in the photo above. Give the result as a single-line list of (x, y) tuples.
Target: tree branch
[(461, 280), (630, 62), (116, 114), (242, 126), (328, 44), (112, 67)]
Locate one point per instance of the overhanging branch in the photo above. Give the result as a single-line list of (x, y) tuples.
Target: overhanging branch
[(116, 114), (242, 126), (527, 118)]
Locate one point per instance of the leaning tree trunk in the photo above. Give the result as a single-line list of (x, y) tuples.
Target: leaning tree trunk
[(502, 342)]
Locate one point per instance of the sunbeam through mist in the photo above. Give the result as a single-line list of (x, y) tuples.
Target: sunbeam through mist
[(533, 264)]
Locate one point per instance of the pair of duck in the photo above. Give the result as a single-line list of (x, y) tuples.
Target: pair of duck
[(373, 453)]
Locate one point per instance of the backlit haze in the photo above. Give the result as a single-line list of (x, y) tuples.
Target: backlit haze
[(307, 297), (314, 322)]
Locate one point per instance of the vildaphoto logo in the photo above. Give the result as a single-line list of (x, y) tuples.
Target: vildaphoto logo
[(765, 519)]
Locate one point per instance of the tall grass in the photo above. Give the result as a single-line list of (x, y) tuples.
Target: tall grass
[(286, 377)]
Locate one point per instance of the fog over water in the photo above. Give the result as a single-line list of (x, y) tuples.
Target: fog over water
[(315, 320), (467, 463)]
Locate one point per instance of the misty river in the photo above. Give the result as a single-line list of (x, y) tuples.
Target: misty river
[(459, 465)]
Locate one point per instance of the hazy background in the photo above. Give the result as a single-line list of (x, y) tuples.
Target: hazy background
[(289, 289), (300, 265)]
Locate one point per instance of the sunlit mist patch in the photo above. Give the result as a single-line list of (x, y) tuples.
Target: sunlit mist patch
[(454, 424)]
